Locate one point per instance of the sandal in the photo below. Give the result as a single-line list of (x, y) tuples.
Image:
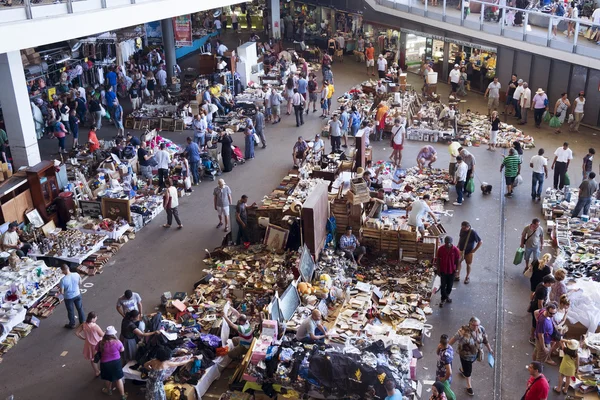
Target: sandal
[(467, 280), (106, 391), (180, 227), (566, 390), (220, 225), (166, 226), (556, 389)]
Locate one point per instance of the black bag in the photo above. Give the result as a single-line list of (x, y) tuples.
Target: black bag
[(152, 162), (97, 356)]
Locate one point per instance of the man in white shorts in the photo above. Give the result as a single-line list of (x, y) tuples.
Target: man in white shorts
[(418, 210), (222, 200)]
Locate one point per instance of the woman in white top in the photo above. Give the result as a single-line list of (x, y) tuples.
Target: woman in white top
[(560, 109), (572, 12), (398, 136), (578, 105)]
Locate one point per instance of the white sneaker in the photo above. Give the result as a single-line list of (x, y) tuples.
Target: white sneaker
[(456, 203)]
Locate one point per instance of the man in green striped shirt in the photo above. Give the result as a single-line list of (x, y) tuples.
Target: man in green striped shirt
[(512, 167)]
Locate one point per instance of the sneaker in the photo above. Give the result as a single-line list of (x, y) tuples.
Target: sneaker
[(532, 341), (470, 392), (448, 300), (456, 203)]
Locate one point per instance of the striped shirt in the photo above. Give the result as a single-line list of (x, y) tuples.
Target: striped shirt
[(511, 166)]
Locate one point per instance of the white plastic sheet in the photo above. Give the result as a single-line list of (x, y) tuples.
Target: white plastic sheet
[(585, 304)]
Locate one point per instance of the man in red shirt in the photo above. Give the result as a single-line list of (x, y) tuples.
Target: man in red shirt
[(448, 257), (537, 385)]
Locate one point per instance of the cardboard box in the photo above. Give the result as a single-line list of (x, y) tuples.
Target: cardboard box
[(29, 51)]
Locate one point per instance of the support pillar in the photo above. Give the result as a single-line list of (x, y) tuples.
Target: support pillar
[(16, 108), (275, 19), (168, 38)]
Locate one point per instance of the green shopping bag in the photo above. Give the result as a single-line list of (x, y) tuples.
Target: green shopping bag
[(470, 186), (554, 122), (519, 256), (547, 117), (448, 391), (567, 179)]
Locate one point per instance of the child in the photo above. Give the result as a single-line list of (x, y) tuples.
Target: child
[(568, 366)]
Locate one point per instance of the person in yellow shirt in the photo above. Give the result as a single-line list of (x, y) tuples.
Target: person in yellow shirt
[(215, 95), (382, 110), (330, 91)]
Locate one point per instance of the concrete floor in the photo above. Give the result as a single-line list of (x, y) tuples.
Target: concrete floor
[(162, 260)]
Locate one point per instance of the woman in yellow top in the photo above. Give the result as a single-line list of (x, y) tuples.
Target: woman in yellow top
[(568, 366)]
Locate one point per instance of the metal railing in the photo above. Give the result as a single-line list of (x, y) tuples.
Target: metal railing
[(536, 26)]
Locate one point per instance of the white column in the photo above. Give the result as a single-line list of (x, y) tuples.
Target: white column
[(275, 19), (16, 108)]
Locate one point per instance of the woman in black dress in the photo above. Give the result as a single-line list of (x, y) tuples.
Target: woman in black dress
[(226, 152)]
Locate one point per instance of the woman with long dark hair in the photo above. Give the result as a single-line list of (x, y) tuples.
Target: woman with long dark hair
[(132, 331), (226, 151)]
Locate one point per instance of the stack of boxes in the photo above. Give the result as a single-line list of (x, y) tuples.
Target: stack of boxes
[(30, 57), (6, 171)]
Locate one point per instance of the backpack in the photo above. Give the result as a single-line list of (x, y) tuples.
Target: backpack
[(560, 10), (312, 86)]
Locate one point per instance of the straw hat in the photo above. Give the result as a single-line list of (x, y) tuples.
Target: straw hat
[(539, 91), (573, 344)]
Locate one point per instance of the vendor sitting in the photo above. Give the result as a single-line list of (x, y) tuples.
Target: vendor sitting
[(311, 330), (417, 212), (376, 203), (427, 155), (351, 247), (244, 340), (133, 140), (372, 182), (318, 147), (299, 152), (12, 242)]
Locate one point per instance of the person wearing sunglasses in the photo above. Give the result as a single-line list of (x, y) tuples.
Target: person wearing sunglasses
[(543, 333)]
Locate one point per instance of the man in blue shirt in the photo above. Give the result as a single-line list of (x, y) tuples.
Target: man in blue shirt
[(302, 86), (69, 287), (110, 96), (344, 118), (117, 114), (81, 108), (133, 140), (391, 391), (111, 77), (192, 151), (350, 245)]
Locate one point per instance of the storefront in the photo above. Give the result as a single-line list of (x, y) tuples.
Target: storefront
[(384, 38), (478, 60), (420, 48)]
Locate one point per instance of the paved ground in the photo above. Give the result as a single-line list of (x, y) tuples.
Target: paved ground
[(168, 260)]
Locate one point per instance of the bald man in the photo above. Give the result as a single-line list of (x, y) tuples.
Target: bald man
[(245, 335), (311, 330)]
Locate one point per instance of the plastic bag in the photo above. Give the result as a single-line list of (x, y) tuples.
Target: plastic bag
[(188, 183), (437, 284), (448, 391), (102, 111), (470, 186), (546, 117), (519, 256), (571, 119), (518, 181), (554, 122)]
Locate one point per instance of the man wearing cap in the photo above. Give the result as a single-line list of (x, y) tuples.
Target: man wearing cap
[(517, 98), (381, 66), (525, 103), (539, 104), (448, 258), (351, 246), (454, 79), (12, 242)]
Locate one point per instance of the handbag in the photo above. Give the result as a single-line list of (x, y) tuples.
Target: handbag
[(152, 162), (462, 251), (528, 272), (102, 111), (256, 138), (480, 354), (97, 356), (519, 256)]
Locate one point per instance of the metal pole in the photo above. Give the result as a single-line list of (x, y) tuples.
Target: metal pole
[(549, 31), (525, 23), (576, 34), (462, 12), (70, 6), (426, 7), (103, 3), (444, 11), (410, 5), (503, 20), (28, 13), (482, 13)]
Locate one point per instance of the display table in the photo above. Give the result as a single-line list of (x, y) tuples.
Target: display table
[(73, 260), (35, 286), (115, 235)]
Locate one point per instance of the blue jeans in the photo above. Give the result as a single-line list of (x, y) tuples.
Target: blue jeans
[(535, 251), (583, 203), (537, 179), (460, 185), (75, 302), (318, 332), (194, 168)]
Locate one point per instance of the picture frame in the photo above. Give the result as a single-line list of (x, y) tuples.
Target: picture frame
[(276, 237), (129, 123), (116, 208), (90, 208), (35, 218)]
